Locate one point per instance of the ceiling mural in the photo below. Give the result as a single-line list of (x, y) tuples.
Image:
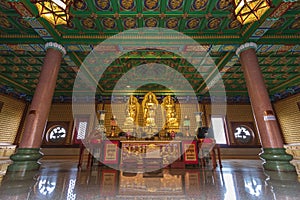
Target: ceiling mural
[(211, 23)]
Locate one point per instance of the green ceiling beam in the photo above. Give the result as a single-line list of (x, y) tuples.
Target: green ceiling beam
[(19, 86), (217, 70), (21, 39), (292, 82), (84, 70), (280, 39)]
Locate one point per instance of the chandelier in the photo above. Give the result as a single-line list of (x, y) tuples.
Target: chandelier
[(247, 11), (54, 11)]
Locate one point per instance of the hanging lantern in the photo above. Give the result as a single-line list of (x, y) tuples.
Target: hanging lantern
[(247, 11), (54, 11)]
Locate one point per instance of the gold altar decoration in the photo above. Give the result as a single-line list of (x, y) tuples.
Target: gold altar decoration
[(169, 113), (150, 105), (169, 151)]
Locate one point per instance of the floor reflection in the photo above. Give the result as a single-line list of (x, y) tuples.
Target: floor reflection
[(239, 179)]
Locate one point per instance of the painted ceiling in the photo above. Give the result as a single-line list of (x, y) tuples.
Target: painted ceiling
[(209, 22)]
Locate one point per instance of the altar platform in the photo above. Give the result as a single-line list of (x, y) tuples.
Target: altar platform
[(148, 154)]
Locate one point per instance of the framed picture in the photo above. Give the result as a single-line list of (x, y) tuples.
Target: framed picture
[(190, 152), (111, 152), (243, 133)]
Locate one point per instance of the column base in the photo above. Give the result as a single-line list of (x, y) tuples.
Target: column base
[(294, 150), (25, 159), (276, 159)]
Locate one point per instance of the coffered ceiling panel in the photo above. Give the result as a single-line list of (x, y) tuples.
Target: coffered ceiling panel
[(210, 23)]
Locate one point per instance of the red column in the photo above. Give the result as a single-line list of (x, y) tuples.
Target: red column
[(267, 125), (42, 99), (270, 135), (28, 154)]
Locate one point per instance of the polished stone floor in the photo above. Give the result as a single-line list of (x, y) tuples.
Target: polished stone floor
[(238, 179)]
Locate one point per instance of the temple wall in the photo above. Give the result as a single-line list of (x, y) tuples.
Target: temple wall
[(10, 118), (288, 115)]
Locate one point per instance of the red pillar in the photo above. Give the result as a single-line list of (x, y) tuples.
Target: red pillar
[(28, 153), (270, 135)]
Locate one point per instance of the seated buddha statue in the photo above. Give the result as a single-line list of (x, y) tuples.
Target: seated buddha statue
[(172, 121)]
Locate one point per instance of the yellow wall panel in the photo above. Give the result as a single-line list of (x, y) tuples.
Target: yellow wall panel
[(288, 115), (10, 118)]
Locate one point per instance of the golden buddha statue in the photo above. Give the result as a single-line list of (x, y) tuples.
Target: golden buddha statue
[(150, 104), (170, 113), (131, 111), (132, 108)]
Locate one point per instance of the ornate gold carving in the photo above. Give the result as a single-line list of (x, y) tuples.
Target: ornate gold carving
[(175, 4), (172, 23), (214, 23), (5, 23), (222, 4), (151, 22), (151, 4), (129, 22), (199, 4), (88, 23), (193, 23), (103, 4), (109, 23), (127, 4)]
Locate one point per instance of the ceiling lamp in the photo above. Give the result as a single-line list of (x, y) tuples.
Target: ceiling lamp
[(247, 11), (54, 11)]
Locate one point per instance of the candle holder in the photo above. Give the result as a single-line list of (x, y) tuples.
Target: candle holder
[(186, 125), (113, 124), (198, 116), (101, 126)]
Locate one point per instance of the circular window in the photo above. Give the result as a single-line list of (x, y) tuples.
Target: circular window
[(56, 134), (243, 134)]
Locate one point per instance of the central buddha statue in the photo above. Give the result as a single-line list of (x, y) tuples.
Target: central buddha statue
[(149, 104)]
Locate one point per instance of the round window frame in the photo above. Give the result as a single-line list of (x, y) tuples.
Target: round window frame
[(250, 130), (57, 141)]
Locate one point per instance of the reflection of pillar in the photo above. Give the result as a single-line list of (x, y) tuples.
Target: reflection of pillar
[(273, 152), (28, 153)]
